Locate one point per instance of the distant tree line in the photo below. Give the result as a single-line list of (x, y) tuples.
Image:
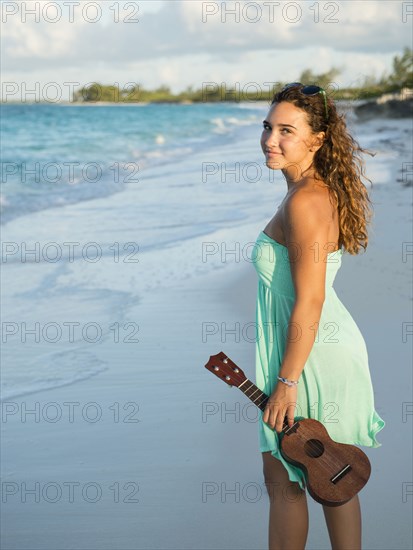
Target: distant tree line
[(370, 87)]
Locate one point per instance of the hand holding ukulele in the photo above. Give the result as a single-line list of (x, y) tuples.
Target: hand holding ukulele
[(281, 403)]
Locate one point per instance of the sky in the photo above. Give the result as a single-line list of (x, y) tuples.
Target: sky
[(48, 48)]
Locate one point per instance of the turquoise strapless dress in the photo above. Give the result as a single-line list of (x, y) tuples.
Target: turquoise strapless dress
[(335, 386)]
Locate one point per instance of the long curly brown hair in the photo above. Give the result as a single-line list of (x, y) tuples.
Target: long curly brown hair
[(339, 164)]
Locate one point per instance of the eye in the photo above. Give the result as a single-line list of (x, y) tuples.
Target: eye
[(266, 126), (286, 130)]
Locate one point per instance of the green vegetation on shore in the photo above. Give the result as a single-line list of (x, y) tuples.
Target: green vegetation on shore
[(401, 77)]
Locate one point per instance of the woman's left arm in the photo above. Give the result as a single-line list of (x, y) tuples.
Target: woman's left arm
[(306, 223)]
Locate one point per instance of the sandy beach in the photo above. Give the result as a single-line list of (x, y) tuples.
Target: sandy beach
[(153, 452)]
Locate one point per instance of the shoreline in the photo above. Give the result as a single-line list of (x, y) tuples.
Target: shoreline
[(386, 105)]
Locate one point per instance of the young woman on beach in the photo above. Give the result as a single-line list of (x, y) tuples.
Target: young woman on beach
[(309, 338)]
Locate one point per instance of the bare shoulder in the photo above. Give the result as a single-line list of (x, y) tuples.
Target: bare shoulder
[(311, 201), (311, 217)]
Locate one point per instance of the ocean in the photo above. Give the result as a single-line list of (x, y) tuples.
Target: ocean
[(104, 205)]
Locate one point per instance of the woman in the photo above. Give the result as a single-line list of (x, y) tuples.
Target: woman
[(312, 359)]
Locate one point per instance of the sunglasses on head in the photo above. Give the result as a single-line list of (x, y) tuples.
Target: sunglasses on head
[(309, 90)]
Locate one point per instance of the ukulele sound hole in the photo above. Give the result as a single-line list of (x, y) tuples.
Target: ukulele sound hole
[(314, 448)]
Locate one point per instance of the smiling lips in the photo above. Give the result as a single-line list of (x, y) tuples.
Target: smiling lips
[(272, 153)]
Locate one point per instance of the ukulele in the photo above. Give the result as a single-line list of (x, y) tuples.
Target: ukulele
[(334, 472)]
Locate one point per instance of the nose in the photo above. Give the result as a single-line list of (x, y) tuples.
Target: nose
[(271, 140)]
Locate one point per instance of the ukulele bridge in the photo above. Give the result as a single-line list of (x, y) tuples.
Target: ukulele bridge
[(341, 474)]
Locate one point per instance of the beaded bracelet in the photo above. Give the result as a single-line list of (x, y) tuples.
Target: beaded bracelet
[(288, 382)]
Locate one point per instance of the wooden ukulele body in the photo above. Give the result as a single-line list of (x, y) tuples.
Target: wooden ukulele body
[(335, 472)]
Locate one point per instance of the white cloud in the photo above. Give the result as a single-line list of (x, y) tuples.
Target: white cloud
[(178, 43)]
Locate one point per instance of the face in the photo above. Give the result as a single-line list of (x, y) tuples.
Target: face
[(287, 140)]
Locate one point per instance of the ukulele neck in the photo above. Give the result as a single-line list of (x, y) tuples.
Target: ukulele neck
[(258, 397)]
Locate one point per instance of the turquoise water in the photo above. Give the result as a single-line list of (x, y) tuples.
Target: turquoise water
[(54, 155), (159, 213)]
